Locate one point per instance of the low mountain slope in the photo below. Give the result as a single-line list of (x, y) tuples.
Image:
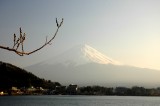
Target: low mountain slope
[(99, 74)]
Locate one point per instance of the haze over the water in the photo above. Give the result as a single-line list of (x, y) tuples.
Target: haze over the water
[(125, 30)]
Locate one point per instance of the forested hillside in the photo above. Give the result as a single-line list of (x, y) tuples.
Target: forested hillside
[(11, 75)]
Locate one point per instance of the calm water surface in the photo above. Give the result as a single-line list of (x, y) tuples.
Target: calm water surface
[(78, 101)]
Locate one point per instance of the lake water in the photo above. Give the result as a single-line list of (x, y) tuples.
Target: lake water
[(78, 101)]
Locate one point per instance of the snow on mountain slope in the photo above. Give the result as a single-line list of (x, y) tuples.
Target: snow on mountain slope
[(97, 57), (79, 55)]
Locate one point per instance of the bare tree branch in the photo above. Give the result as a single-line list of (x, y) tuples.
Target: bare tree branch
[(17, 42)]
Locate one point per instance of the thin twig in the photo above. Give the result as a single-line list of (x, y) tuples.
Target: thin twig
[(20, 41)]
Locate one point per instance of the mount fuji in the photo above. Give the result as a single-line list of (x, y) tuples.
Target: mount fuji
[(84, 65)]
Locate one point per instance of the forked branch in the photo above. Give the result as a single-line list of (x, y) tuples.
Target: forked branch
[(19, 42)]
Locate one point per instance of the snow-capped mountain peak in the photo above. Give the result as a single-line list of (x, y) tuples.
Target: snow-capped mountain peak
[(79, 55)]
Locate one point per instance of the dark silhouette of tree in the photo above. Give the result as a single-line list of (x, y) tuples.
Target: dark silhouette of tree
[(19, 42)]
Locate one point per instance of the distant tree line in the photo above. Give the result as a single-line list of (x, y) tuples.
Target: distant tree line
[(119, 91), (104, 91)]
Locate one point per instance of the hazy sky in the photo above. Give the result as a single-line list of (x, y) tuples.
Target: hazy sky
[(125, 30)]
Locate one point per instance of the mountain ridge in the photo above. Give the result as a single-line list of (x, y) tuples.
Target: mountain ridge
[(88, 72)]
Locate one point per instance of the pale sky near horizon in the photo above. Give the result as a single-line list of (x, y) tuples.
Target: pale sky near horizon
[(125, 30)]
